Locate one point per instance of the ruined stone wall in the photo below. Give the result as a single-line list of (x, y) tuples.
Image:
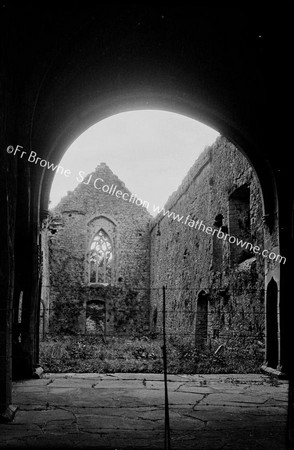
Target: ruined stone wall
[(177, 250), (213, 294), (237, 288), (76, 220)]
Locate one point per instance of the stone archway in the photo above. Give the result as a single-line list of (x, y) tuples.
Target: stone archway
[(194, 62)]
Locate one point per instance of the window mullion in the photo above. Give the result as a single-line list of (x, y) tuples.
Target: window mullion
[(102, 247)]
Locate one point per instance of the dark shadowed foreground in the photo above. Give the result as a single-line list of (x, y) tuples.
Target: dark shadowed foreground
[(126, 411)]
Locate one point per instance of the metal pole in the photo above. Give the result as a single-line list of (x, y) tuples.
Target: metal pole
[(167, 426)]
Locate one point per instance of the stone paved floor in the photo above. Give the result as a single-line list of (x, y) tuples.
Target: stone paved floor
[(126, 411)]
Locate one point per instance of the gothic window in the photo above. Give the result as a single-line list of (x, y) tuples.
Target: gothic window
[(101, 258)]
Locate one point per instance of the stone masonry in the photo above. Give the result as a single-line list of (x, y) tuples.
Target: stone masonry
[(120, 303), (214, 289)]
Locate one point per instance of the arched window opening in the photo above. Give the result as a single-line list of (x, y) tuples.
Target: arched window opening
[(100, 258)]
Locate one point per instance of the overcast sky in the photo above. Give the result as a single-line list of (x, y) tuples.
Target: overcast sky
[(150, 151)]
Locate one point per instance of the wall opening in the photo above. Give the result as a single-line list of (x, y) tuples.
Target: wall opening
[(96, 318), (201, 327), (217, 245), (272, 339), (101, 258), (239, 222)]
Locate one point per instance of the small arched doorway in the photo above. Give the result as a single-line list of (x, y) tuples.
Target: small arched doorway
[(272, 337)]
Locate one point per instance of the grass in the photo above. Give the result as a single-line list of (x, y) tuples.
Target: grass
[(89, 354)]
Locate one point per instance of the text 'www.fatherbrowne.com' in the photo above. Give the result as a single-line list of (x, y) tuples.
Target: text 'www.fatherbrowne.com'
[(113, 190), (199, 225)]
